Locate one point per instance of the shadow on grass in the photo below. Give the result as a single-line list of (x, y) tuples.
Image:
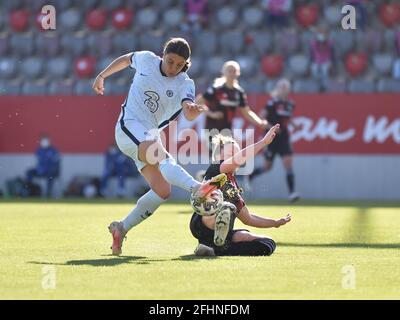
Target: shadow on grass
[(343, 245), (114, 261), (193, 257)]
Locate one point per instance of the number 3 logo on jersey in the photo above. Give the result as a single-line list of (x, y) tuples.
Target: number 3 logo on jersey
[(152, 101)]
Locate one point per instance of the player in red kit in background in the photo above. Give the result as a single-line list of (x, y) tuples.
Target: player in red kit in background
[(279, 110)]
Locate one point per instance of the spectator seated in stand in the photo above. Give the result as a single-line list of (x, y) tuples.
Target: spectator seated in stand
[(117, 165), (48, 164)]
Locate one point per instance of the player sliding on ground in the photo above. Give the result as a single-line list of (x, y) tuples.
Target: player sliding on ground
[(160, 90), (215, 233)]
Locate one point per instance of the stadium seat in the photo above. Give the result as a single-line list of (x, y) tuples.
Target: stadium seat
[(162, 5), (102, 63), (12, 5), (19, 20), (117, 87), (35, 5), (389, 14), (122, 18), (333, 15), (85, 66), (306, 86), (48, 43), (226, 16), (389, 39), (196, 67), (383, 63), (34, 88), (22, 44), (272, 65), (206, 43), (231, 42), (388, 85), (62, 5), (32, 67), (270, 85), (361, 86), (8, 67), (259, 42), (112, 5), (306, 36), (299, 65), (146, 18), (4, 43), (336, 86), (343, 41), (173, 17), (151, 41), (253, 17), (100, 43), (125, 42), (96, 19), (10, 87), (356, 63), (61, 87), (87, 5), (287, 41), (214, 65), (70, 20), (74, 43), (252, 85), (307, 15), (84, 87), (59, 67), (371, 40), (247, 65)]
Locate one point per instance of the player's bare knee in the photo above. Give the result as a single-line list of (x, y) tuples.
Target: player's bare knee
[(164, 192)]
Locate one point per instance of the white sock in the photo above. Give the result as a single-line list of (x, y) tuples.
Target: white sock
[(174, 174), (145, 207)]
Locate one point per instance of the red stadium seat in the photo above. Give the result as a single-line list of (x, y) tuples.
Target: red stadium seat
[(307, 15), (122, 18), (272, 65), (389, 14), (356, 63), (19, 20), (96, 19), (85, 66)]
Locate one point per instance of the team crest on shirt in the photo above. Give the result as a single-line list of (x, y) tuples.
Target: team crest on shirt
[(152, 101), (170, 93)]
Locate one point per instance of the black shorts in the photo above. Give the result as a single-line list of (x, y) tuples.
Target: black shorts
[(281, 145), (206, 236), (260, 247)]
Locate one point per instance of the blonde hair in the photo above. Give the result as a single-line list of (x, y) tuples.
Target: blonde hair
[(274, 93), (219, 140), (221, 80)]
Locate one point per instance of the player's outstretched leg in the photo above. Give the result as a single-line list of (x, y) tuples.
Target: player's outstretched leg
[(208, 186), (118, 233), (223, 222)]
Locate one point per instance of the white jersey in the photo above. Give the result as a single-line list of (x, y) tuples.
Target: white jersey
[(155, 99)]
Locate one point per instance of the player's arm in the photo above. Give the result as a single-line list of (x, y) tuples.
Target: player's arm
[(200, 99), (252, 117), (240, 158), (118, 64), (192, 110), (253, 220)]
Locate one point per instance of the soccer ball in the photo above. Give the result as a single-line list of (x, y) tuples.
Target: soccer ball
[(213, 202)]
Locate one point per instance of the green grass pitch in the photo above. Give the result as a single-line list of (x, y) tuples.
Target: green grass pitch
[(60, 250)]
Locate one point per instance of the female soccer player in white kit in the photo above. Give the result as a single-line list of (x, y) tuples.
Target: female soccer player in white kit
[(160, 90)]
